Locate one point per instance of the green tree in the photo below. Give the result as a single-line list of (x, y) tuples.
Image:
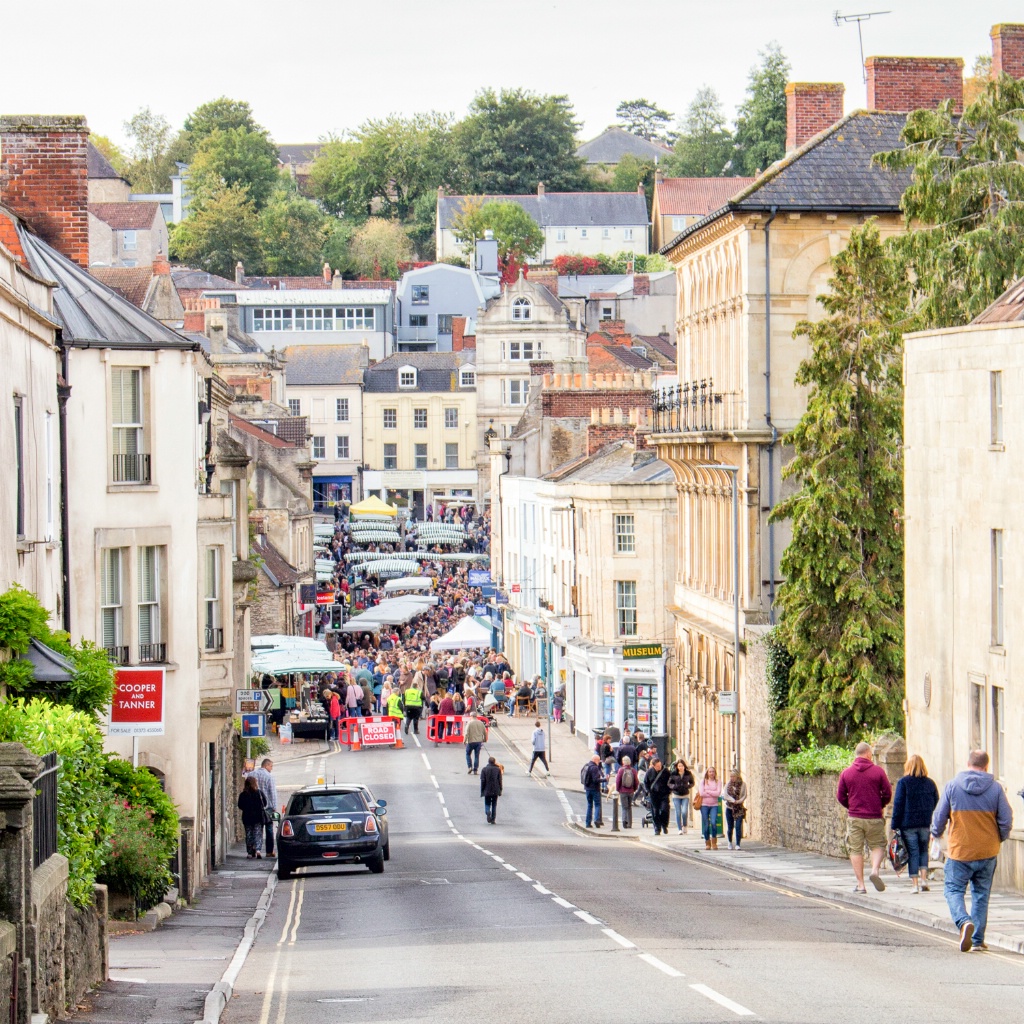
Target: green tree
[(340, 181), (630, 172), (377, 247), (761, 118), (220, 115), (222, 231), (111, 151), (704, 145), (965, 204), (152, 159), (293, 232), (514, 139), (516, 232), (643, 118), (842, 603), (234, 158)]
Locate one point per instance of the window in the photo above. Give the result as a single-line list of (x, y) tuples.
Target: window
[(421, 456), (319, 447), (625, 534), (517, 392), (390, 419), (231, 487), (444, 323), (407, 377), (419, 419), (625, 607), (560, 235), (606, 232), (627, 234), (420, 294), (467, 378), (391, 456), (294, 407), (150, 648), (19, 459), (977, 684), (129, 240), (451, 456), (417, 319), (111, 610), (996, 392), (522, 350), (607, 312), (131, 464), (998, 732), (341, 410), (317, 318), (341, 447), (214, 640), (998, 621), (451, 418), (583, 232), (678, 223), (522, 309)]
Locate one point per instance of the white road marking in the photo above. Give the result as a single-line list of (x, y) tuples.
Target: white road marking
[(660, 965), (540, 888), (570, 815), (440, 796), (563, 903), (524, 877), (416, 739), (586, 918), (128, 981), (298, 913), (425, 761), (508, 867), (500, 860), (620, 939), (444, 811), (434, 781), (717, 997)]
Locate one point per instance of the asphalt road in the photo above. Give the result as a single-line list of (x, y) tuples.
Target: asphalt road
[(530, 920)]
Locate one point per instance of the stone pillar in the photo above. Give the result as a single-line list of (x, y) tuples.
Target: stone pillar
[(891, 755)]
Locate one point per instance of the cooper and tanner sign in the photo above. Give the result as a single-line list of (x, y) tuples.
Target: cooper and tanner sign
[(138, 705), (634, 651)]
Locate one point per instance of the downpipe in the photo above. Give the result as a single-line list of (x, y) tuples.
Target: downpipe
[(768, 410)]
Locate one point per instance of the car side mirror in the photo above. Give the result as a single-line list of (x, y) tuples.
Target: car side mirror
[(381, 804)]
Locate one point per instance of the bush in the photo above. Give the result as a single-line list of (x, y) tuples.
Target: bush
[(137, 862), (142, 789), (816, 760)]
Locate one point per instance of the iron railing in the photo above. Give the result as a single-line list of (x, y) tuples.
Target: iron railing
[(214, 639), (152, 654), (696, 407), (118, 655), (44, 811), (132, 468)]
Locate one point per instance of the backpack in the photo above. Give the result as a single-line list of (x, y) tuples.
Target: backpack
[(583, 774), (628, 778)]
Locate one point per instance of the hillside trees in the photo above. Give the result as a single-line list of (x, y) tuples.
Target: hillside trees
[(761, 118)]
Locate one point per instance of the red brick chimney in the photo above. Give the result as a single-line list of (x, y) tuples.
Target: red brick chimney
[(902, 84), (811, 107), (160, 264), (44, 179), (1008, 50)]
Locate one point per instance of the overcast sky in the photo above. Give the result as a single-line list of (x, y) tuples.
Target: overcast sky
[(310, 69)]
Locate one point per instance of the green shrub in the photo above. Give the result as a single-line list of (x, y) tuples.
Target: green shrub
[(137, 861), (816, 760), (22, 617), (141, 789)]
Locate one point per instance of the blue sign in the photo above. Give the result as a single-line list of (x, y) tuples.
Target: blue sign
[(500, 598), (487, 590), (253, 726), (479, 609), (479, 577)]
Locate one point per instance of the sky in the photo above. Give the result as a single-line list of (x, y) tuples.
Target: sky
[(312, 69)]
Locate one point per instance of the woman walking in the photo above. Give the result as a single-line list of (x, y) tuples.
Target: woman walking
[(735, 807), (680, 782), (252, 806), (710, 790), (913, 804)]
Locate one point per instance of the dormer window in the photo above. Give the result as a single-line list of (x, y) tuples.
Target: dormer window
[(522, 309), (407, 377), (467, 377)]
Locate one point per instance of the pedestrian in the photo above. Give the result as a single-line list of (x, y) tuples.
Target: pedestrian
[(490, 789), (680, 782), (395, 705), (474, 735), (626, 749), (979, 818), (656, 784), (253, 808), (268, 788), (539, 749), (710, 790), (864, 791), (446, 708), (557, 704), (335, 713), (607, 753), (735, 807), (353, 698), (592, 777), (627, 782), (413, 699), (913, 805)]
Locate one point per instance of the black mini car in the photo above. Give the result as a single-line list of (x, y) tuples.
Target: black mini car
[(330, 824)]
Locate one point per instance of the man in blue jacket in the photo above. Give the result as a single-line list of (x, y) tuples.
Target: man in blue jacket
[(592, 777)]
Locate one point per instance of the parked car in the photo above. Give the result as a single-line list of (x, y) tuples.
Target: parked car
[(337, 823)]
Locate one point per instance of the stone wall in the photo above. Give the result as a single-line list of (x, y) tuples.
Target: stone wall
[(86, 949), (758, 753), (8, 950), (46, 935)]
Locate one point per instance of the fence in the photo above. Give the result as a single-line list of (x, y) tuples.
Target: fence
[(44, 811), (696, 407)]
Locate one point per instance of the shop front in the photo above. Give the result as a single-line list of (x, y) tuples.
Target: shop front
[(329, 491)]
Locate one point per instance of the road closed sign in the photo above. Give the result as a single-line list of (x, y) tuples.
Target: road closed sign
[(378, 734), (138, 705)]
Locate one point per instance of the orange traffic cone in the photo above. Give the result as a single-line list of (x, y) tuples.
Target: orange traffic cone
[(399, 745), (354, 741)]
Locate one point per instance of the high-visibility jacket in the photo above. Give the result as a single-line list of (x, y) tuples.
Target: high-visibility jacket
[(395, 706), (413, 697)]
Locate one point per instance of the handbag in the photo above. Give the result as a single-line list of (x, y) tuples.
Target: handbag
[(898, 855), (697, 800)]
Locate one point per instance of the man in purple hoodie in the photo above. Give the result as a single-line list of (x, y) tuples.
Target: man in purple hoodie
[(864, 791)]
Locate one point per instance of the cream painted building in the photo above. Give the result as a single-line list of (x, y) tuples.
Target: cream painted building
[(964, 487)]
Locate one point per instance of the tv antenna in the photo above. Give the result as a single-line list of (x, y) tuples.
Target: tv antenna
[(841, 19)]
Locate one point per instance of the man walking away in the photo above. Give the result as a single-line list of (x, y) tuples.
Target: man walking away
[(413, 698), (592, 777), (268, 789), (864, 791), (539, 748), (656, 781), (474, 735), (490, 789), (979, 817), (627, 782)]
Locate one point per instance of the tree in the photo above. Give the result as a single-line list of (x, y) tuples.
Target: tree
[(234, 158), (111, 151), (761, 118), (220, 115), (340, 180), (293, 234), (514, 139), (151, 163), (965, 203), (704, 146), (643, 118), (630, 172), (516, 232), (219, 233), (842, 603), (377, 247), (975, 82)]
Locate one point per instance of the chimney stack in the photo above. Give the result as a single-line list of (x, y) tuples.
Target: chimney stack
[(811, 107), (540, 188), (239, 272), (327, 272), (640, 188), (44, 179), (1008, 50), (160, 264), (903, 84)]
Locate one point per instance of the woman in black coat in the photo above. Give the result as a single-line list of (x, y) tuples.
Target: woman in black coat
[(912, 807), (490, 788), (252, 806)]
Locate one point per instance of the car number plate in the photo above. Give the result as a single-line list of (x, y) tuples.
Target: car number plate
[(331, 826)]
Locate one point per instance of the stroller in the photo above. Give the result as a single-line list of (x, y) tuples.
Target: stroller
[(491, 703), (643, 798)]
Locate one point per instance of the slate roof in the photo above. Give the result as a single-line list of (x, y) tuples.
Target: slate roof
[(130, 282), (563, 209), (97, 165), (436, 371), (299, 153), (833, 172), (288, 283), (276, 566), (614, 143), (661, 342), (625, 355), (126, 216), (616, 463), (199, 280), (695, 197), (258, 432), (308, 365), (1008, 308)]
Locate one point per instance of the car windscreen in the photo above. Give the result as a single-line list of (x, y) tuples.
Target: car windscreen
[(326, 803)]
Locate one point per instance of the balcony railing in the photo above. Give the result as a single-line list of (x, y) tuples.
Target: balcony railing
[(214, 639), (118, 655), (150, 654), (696, 407), (132, 468)]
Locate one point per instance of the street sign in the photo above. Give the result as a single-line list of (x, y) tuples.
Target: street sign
[(479, 609), (253, 726), (325, 598), (253, 702), (307, 593), (516, 588), (137, 708), (501, 598), (378, 734), (728, 704), (642, 651), (478, 577)]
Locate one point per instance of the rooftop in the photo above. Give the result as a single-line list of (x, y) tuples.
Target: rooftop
[(614, 143), (619, 462), (325, 365), (436, 371), (695, 197), (572, 209), (308, 296), (126, 216), (97, 165), (1008, 308)]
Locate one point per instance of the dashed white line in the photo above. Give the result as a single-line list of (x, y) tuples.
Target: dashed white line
[(416, 740), (524, 877), (563, 903), (586, 918), (444, 811), (660, 965), (508, 867), (540, 888), (425, 761), (440, 796), (717, 997), (434, 781), (500, 860), (620, 939)]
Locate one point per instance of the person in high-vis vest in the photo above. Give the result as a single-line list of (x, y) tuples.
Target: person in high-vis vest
[(413, 698), (395, 708)]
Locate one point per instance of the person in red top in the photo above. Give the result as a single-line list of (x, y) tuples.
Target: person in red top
[(864, 791)]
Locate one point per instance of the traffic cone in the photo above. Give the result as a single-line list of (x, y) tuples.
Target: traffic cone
[(354, 741), (399, 745)]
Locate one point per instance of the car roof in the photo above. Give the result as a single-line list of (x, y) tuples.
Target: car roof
[(334, 787)]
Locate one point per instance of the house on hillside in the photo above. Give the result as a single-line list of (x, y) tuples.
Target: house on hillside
[(679, 202), (608, 148)]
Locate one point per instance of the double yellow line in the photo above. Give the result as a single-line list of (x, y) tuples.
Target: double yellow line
[(289, 933)]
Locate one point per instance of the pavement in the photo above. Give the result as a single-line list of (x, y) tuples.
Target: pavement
[(810, 874)]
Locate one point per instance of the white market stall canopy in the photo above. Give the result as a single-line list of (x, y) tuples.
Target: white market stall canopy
[(468, 633), (408, 583), (360, 624), (282, 641), (390, 567), (378, 536), (284, 662)]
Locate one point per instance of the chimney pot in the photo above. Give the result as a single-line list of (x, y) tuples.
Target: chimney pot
[(811, 107), (540, 188), (903, 84), (239, 273)]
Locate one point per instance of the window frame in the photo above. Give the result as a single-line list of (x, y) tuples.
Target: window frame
[(318, 446), (419, 320), (419, 418), (625, 539), (294, 406), (451, 457), (129, 240), (389, 417), (213, 614), (110, 602), (407, 377), (19, 459), (125, 432), (627, 234), (451, 417), (998, 589), (444, 323), (143, 600), (997, 435), (419, 295), (522, 309), (997, 707), (467, 377), (342, 411), (342, 450), (391, 456), (420, 455), (626, 608)]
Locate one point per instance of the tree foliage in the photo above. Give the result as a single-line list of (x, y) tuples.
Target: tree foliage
[(293, 234), (110, 149), (761, 118), (965, 204), (842, 603), (339, 181), (220, 115), (222, 231), (518, 235), (377, 247), (236, 159), (643, 118), (630, 172), (151, 162), (704, 145)]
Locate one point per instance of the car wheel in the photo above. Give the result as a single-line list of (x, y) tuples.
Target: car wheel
[(376, 864), (387, 850), (284, 870)]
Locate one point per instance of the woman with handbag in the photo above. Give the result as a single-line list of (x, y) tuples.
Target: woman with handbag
[(913, 804), (680, 782), (253, 808), (709, 791), (735, 807)]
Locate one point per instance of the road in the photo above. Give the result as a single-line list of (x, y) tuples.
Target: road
[(530, 920)]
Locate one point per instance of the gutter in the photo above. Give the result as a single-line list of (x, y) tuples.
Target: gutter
[(768, 410), (63, 394)]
